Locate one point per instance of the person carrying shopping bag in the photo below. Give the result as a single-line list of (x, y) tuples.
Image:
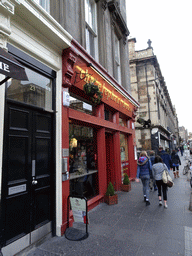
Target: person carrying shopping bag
[(157, 170), (144, 172)]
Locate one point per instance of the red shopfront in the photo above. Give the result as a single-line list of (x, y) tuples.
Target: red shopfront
[(98, 139)]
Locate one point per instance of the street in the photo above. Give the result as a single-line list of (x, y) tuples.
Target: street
[(130, 228)]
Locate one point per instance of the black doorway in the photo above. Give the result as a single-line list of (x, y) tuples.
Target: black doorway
[(27, 171)]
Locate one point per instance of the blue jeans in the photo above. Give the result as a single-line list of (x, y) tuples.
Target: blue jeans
[(145, 181)]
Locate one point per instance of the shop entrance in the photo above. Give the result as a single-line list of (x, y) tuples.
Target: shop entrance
[(27, 171), (109, 158)]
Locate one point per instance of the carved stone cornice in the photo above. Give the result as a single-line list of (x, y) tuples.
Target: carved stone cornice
[(117, 17), (7, 10), (3, 41), (7, 6)]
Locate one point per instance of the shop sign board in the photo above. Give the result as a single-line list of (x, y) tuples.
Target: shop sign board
[(66, 98), (78, 206), (88, 74)]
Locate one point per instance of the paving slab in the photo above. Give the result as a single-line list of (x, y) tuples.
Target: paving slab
[(130, 228)]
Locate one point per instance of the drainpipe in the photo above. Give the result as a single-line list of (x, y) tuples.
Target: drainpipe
[(147, 90)]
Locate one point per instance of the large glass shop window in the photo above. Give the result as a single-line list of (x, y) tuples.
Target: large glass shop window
[(37, 91), (124, 155), (82, 161), (80, 105)]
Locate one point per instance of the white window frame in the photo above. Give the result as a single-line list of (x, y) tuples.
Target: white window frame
[(91, 28), (117, 59), (45, 4)]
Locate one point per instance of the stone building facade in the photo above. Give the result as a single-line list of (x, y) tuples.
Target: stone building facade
[(183, 132), (104, 37), (157, 122), (56, 140)]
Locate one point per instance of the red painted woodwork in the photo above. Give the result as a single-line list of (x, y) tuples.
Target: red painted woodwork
[(68, 60), (117, 160), (80, 68), (102, 173), (109, 149)]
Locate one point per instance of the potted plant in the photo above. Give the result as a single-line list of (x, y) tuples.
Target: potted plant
[(110, 196), (92, 90), (126, 186)]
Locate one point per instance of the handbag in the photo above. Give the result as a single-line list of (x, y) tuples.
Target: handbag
[(167, 179)]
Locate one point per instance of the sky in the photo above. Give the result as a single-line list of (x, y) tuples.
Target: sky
[(168, 24)]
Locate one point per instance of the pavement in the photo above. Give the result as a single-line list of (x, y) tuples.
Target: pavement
[(132, 228)]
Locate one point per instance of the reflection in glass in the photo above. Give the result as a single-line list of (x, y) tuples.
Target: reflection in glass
[(122, 122), (80, 105), (37, 91), (82, 161)]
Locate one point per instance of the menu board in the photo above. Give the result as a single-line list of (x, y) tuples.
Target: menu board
[(78, 207)]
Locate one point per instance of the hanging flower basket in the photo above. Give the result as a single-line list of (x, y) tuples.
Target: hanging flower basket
[(92, 91)]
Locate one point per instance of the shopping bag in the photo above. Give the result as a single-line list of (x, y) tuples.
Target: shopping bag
[(167, 179)]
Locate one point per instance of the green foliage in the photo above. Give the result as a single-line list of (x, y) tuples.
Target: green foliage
[(92, 90), (110, 190), (126, 180)]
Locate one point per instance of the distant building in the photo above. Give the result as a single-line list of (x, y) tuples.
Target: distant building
[(157, 122), (183, 134)]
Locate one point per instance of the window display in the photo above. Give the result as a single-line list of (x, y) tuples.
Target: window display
[(82, 160), (124, 155)]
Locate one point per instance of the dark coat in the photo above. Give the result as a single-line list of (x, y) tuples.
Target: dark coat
[(166, 158), (175, 159)]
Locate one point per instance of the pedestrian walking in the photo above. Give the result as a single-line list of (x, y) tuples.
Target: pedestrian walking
[(144, 172), (157, 170), (152, 181), (181, 149), (175, 163), (165, 157)]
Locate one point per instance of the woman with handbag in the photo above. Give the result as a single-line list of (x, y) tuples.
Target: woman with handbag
[(157, 170)]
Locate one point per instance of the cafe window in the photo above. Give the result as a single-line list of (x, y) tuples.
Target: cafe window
[(122, 121), (80, 105), (82, 161), (124, 155), (37, 91), (91, 28), (108, 112)]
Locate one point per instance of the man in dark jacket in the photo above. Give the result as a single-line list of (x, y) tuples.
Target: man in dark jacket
[(166, 157)]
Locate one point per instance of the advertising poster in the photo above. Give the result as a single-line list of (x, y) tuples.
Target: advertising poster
[(78, 207)]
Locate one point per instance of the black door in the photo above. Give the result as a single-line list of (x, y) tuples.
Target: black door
[(27, 168)]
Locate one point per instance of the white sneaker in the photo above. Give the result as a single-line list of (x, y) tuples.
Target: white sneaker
[(160, 202), (165, 206)]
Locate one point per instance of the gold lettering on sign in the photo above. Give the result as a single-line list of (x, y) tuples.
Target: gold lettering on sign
[(84, 75)]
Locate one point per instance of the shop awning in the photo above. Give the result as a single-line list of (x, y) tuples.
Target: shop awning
[(10, 67), (164, 137)]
